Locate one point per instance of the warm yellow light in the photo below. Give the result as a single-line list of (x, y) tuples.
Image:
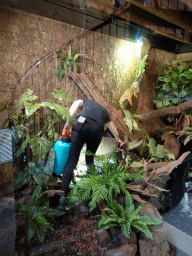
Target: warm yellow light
[(125, 54)]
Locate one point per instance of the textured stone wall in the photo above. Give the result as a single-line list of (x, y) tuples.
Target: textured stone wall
[(27, 38)]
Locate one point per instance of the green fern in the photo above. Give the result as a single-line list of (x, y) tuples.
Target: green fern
[(106, 180), (126, 217), (39, 216)]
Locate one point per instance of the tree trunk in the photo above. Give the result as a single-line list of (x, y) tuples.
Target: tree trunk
[(92, 92), (146, 95)]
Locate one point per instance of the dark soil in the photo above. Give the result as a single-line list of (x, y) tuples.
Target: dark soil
[(73, 234)]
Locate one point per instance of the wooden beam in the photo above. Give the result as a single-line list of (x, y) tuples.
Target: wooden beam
[(169, 15), (187, 2), (104, 6), (184, 36)]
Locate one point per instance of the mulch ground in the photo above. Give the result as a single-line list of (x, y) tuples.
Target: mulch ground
[(73, 234)]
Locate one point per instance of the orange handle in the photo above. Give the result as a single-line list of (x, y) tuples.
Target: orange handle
[(65, 132)]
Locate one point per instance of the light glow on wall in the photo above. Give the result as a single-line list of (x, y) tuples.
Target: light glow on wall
[(125, 54), (138, 46)]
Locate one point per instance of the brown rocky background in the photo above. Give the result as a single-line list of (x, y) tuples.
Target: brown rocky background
[(27, 38)]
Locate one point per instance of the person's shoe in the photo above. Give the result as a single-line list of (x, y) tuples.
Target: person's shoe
[(61, 206)]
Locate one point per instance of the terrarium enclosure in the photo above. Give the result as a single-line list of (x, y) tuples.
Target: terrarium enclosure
[(109, 66)]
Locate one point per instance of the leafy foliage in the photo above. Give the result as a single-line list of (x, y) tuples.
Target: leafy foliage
[(67, 60), (41, 138), (41, 172), (141, 67), (174, 87), (127, 217), (130, 121), (158, 151), (22, 179), (188, 133), (34, 129), (107, 179), (135, 86), (39, 216)]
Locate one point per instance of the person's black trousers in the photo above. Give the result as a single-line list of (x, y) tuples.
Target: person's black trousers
[(91, 134)]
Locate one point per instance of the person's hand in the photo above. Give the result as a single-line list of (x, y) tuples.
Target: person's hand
[(68, 126), (120, 142)]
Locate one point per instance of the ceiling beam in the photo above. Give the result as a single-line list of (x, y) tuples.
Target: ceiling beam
[(187, 2), (162, 27), (157, 19), (170, 15)]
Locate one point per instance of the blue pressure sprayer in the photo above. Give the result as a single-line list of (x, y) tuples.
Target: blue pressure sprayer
[(62, 149)]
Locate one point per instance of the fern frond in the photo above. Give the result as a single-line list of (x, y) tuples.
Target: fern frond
[(35, 196), (149, 220), (126, 228), (129, 204), (134, 213), (98, 195), (142, 227)]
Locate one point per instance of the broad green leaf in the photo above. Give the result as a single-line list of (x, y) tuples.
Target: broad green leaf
[(174, 75), (161, 96), (175, 101), (30, 108), (160, 152), (61, 95), (23, 146), (40, 147), (135, 144), (174, 85), (161, 78), (137, 164), (169, 155), (63, 111), (183, 93), (175, 93), (167, 80), (180, 69), (166, 103), (50, 163), (128, 121), (188, 139), (159, 104), (27, 96), (22, 179), (152, 146), (166, 87)]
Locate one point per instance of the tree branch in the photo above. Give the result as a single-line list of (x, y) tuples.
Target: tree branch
[(166, 111)]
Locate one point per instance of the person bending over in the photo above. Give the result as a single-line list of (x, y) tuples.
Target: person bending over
[(88, 128)]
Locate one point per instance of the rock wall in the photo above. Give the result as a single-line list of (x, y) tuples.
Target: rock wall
[(25, 39)]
